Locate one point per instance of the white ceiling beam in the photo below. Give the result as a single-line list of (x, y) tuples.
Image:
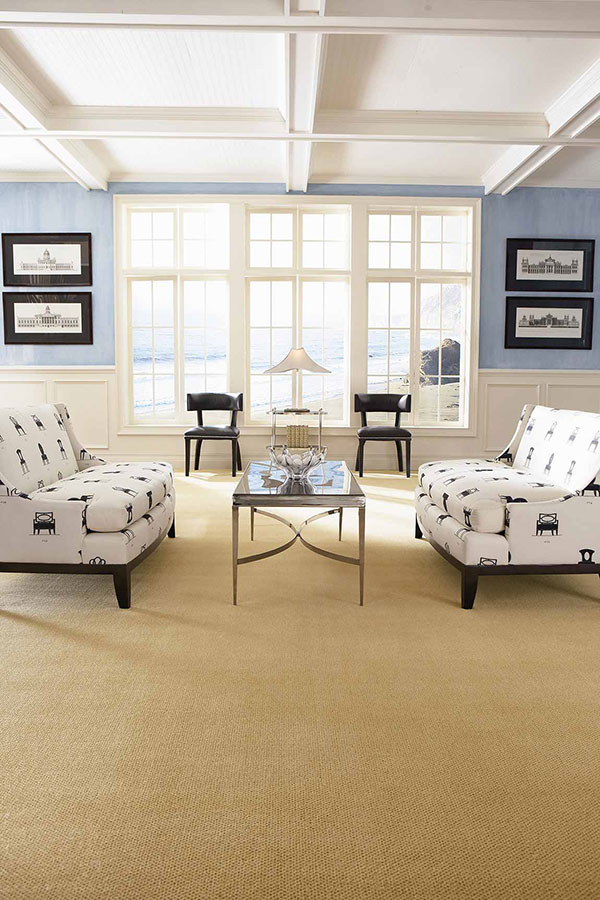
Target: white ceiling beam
[(501, 18), (304, 67), (27, 108), (196, 133)]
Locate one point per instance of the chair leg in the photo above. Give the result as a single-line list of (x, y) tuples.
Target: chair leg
[(239, 457), (408, 459), (233, 459), (468, 589), (187, 458), (171, 531), (418, 532), (361, 458), (399, 455), (197, 455), (122, 582)]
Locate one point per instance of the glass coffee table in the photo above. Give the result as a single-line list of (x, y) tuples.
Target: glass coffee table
[(331, 485)]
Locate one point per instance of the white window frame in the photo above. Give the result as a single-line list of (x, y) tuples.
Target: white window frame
[(359, 273)]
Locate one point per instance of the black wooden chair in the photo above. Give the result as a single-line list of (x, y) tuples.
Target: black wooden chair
[(202, 403), (396, 403)]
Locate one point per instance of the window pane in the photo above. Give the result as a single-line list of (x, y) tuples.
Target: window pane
[(141, 340), (431, 228), (282, 254), (401, 228), (164, 350), (141, 303), (312, 304), (162, 225), (452, 306), (216, 351), (336, 227), (282, 226), (312, 227), (141, 254), (334, 351), (312, 341), (281, 390), (312, 255), (260, 349), (430, 305), (450, 364), (449, 399), (335, 255), (142, 395), (141, 226), (162, 292), (400, 294), (217, 304), (378, 352), (164, 395), (336, 303), (378, 306), (455, 228), (260, 226), (162, 254), (400, 256), (260, 303), (379, 255), (194, 225), (281, 344), (431, 256), (260, 394), (333, 402), (399, 352), (379, 227), (312, 391), (217, 383), (427, 412), (194, 253), (281, 303), (194, 350), (260, 254)]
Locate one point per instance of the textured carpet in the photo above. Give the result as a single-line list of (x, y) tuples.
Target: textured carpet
[(298, 746)]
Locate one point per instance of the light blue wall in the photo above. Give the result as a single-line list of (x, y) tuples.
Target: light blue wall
[(65, 207), (526, 212)]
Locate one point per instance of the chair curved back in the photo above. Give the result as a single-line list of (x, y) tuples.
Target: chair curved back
[(203, 402), (396, 403)]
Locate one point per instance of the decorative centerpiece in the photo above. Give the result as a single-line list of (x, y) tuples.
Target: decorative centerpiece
[(297, 465)]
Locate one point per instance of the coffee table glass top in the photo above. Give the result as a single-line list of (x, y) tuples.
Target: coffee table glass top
[(331, 479)]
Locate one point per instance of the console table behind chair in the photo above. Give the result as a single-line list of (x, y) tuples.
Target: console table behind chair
[(396, 403), (219, 402)]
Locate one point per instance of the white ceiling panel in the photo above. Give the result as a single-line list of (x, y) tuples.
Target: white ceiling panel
[(572, 167), (198, 159), (451, 73), (149, 68), (441, 164), (23, 155)]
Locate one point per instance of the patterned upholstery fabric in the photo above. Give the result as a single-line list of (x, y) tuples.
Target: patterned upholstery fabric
[(561, 446), (116, 496), (469, 547), (565, 532), (35, 449), (51, 506), (475, 491), (123, 546)]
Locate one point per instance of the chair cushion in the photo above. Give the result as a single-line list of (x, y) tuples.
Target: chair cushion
[(116, 494), (121, 547), (213, 431), (35, 449), (475, 491), (382, 432), (464, 544)]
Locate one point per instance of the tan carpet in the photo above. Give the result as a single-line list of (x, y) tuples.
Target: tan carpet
[(298, 746)]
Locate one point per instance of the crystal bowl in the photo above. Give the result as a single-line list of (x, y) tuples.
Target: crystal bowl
[(297, 466)]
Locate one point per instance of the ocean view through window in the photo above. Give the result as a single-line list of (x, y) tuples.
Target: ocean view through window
[(212, 291)]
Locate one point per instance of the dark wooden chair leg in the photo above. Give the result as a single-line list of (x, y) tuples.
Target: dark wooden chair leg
[(357, 463), (361, 458), (418, 532), (171, 531), (233, 459), (468, 589), (122, 582), (399, 455), (239, 457), (408, 459), (187, 457), (197, 455)]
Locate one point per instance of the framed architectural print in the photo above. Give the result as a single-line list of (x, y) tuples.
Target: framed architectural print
[(47, 260), (558, 323), (47, 318), (541, 264)]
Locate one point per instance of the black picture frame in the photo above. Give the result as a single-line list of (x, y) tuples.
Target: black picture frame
[(13, 334), (537, 281), (582, 308), (46, 242)]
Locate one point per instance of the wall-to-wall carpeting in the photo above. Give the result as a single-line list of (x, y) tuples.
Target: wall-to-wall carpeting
[(298, 746)]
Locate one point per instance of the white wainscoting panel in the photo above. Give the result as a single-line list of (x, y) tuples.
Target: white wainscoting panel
[(92, 397)]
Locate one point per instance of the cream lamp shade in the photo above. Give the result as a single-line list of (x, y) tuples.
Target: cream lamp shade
[(297, 359)]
